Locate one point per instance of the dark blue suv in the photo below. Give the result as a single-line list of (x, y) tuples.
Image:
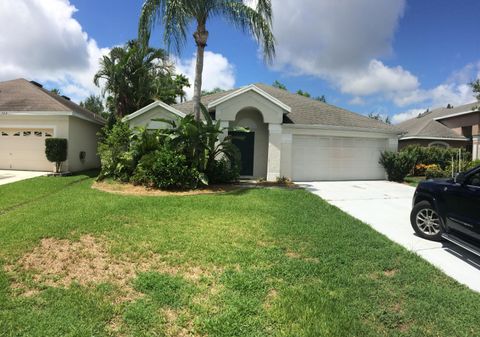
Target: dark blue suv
[(449, 209)]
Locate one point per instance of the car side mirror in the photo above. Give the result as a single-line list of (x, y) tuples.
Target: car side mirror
[(460, 178)]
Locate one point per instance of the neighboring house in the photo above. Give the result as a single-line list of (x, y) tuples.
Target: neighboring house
[(457, 127), (290, 135), (29, 114)]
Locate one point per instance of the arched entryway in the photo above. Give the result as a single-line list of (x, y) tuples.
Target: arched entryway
[(253, 145)]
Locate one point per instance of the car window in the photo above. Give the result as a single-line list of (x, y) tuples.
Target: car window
[(474, 180)]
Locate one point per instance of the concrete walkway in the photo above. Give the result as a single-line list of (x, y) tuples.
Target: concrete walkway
[(7, 176), (386, 207)]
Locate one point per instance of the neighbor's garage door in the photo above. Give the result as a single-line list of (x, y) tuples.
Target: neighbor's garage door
[(24, 149), (336, 158)]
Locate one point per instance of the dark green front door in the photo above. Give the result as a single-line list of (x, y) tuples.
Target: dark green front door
[(245, 142)]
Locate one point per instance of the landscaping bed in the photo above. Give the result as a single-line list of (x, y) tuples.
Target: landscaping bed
[(251, 262)]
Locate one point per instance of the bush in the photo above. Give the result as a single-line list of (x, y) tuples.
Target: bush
[(165, 169), (397, 164), (472, 164), (420, 169), (435, 155), (56, 151), (223, 171), (117, 162), (435, 171)]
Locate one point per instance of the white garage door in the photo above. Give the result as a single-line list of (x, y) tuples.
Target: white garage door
[(24, 149), (337, 158)]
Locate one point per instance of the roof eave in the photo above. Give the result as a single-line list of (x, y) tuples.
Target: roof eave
[(248, 88)]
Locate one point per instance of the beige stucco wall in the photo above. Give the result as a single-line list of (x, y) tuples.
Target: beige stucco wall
[(59, 124), (227, 111), (145, 119), (253, 119), (82, 136)]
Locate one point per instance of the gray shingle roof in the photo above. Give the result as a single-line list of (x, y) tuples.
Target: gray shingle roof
[(22, 95), (305, 110), (425, 124)]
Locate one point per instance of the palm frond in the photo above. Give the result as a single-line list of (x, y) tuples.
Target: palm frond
[(257, 22)]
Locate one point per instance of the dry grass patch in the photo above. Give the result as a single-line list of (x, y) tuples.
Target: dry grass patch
[(59, 263), (130, 189)]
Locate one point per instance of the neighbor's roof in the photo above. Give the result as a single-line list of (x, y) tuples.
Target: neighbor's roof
[(21, 95), (426, 125), (304, 110)]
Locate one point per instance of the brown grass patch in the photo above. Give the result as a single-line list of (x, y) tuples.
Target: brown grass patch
[(59, 263), (178, 323), (390, 272), (295, 255), (130, 189), (271, 296)]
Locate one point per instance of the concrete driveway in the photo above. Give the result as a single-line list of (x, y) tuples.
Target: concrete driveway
[(7, 176), (386, 207)]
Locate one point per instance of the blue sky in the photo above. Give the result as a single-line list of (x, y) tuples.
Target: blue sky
[(395, 57)]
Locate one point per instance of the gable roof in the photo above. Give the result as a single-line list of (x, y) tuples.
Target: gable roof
[(304, 110), (254, 88), (21, 95), (153, 106), (427, 126)]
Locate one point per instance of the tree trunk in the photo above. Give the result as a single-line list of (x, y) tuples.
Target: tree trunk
[(201, 37)]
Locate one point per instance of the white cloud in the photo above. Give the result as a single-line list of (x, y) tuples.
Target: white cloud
[(218, 72), (403, 116), (377, 78), (40, 40), (341, 41)]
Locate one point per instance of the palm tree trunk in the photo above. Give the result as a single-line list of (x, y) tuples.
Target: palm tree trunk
[(201, 37)]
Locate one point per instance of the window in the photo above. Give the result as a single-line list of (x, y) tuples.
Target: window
[(38, 133), (439, 144), (48, 134), (4, 134), (27, 133), (474, 180), (16, 134)]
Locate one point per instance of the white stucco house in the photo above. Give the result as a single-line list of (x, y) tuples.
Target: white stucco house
[(29, 114), (291, 135)]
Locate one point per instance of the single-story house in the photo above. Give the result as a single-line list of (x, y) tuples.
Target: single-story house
[(290, 135), (29, 114), (457, 127)]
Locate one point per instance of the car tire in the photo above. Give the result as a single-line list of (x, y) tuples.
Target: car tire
[(426, 222)]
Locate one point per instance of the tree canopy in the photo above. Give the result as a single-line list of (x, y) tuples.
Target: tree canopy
[(134, 75)]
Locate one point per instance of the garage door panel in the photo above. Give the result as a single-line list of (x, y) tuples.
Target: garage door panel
[(337, 158), (24, 149)]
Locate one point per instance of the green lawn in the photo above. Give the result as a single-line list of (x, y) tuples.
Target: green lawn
[(257, 262), (414, 181)]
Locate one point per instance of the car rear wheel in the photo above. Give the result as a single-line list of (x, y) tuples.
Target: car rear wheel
[(426, 222)]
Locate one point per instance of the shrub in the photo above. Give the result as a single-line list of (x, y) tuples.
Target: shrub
[(113, 149), (420, 169), (397, 164), (435, 155), (56, 151), (472, 164), (165, 169), (435, 171), (222, 171)]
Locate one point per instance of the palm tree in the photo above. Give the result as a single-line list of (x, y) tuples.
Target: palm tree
[(178, 15), (129, 74)]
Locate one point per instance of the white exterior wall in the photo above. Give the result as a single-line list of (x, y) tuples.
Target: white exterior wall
[(82, 136), (289, 132)]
